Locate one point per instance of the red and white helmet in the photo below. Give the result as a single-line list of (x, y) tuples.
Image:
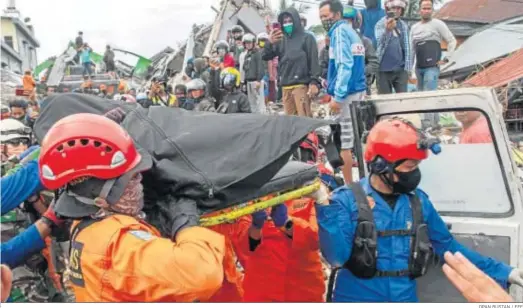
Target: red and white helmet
[(85, 145)]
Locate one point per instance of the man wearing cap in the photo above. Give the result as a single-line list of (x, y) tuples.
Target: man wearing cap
[(115, 255)]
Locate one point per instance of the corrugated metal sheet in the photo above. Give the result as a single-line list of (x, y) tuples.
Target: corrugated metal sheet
[(500, 73), (486, 11), (490, 44)]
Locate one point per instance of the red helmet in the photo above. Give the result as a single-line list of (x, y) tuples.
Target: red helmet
[(311, 143), (83, 145), (394, 140)]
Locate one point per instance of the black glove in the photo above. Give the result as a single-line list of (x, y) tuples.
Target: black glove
[(117, 114), (185, 214)]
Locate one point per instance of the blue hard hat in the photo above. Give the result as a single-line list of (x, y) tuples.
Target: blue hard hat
[(349, 12)]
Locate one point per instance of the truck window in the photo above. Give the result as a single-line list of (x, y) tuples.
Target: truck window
[(466, 178)]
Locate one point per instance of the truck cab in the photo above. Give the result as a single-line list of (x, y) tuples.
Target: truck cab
[(474, 182)]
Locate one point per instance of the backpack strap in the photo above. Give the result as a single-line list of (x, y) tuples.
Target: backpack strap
[(417, 211), (364, 210)]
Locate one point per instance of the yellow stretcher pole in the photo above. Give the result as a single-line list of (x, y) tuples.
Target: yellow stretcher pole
[(237, 211)]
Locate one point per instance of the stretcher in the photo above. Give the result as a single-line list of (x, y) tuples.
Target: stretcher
[(236, 211)]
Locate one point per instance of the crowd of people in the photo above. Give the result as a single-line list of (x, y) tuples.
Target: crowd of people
[(378, 234)]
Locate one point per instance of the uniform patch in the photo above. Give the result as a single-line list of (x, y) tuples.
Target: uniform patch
[(358, 49), (75, 265), (143, 235)]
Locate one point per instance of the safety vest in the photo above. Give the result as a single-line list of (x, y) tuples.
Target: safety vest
[(364, 257), (170, 102)]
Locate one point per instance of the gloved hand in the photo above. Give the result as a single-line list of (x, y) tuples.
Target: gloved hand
[(279, 215), (185, 214), (321, 195), (117, 114), (51, 216), (259, 218), (516, 277)]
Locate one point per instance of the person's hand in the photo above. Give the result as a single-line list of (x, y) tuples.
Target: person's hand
[(214, 63), (275, 36), (321, 195), (117, 114), (335, 107), (51, 216), (258, 219), (185, 214), (313, 90), (279, 215), (6, 279), (390, 24), (33, 115), (257, 85), (516, 277), (473, 284)]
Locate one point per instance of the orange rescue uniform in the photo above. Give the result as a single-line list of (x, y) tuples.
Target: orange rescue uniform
[(282, 269), (235, 236), (122, 259)]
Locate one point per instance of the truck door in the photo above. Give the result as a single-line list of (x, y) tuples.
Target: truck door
[(473, 182)]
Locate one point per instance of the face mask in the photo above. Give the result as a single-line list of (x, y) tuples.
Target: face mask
[(288, 27), (407, 181), (20, 118), (221, 52), (261, 44), (182, 99), (328, 23)]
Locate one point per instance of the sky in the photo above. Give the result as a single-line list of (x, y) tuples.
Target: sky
[(144, 27)]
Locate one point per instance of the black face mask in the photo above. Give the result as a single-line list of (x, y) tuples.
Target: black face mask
[(407, 181)]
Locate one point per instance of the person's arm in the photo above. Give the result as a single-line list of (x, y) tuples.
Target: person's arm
[(312, 60), (270, 51), (16, 250), (16, 188), (447, 35), (372, 65), (382, 36), (336, 228), (443, 241), (344, 62), (191, 267), (413, 42)]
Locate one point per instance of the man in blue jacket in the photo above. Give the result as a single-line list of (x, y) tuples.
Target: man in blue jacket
[(346, 74), (367, 229), (372, 13)]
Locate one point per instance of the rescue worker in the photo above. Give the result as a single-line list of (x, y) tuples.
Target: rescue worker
[(283, 259), (143, 100), (159, 97), (233, 100), (386, 212), (116, 256), (103, 92), (196, 90), (253, 73)]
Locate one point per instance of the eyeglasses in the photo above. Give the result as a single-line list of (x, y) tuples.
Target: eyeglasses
[(17, 141)]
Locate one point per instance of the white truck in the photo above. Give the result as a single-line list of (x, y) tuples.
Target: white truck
[(474, 186)]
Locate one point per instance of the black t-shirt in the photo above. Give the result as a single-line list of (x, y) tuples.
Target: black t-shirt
[(391, 199)]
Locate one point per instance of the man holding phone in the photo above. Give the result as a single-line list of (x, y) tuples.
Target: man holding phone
[(298, 67), (394, 50)]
